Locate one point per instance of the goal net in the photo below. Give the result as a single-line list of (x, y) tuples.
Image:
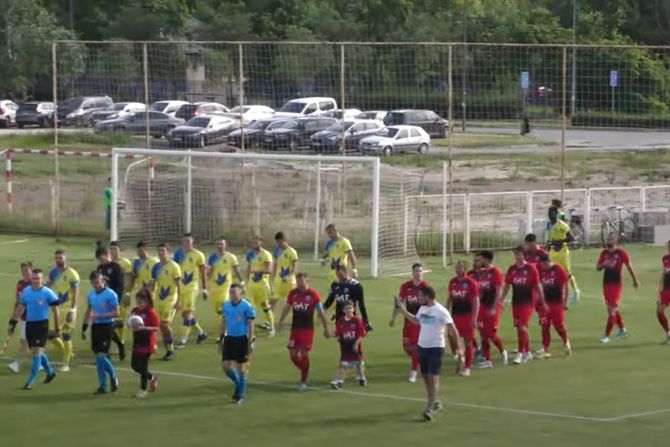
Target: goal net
[(237, 196)]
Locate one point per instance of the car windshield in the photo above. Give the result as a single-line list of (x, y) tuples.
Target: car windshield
[(159, 106), (116, 107), (71, 103), (291, 124), (388, 132), (394, 118), (337, 127), (293, 107), (28, 107), (239, 109), (198, 121), (259, 125)]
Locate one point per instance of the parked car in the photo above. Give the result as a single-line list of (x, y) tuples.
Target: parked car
[(188, 111), (315, 106), (251, 113), (429, 121), (202, 130), (78, 111), (159, 124), (253, 135), (330, 139), (396, 139), (35, 113), (372, 115), (296, 133), (8, 111), (347, 114), (117, 110), (167, 107)]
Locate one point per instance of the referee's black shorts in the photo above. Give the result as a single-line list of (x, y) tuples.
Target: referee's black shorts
[(101, 337), (235, 349), (37, 333)]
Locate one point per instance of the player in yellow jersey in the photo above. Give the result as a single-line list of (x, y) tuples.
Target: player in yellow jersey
[(338, 252), (557, 243), (194, 281), (124, 301), (141, 270), (283, 270), (64, 281), (222, 265), (166, 283), (259, 268)]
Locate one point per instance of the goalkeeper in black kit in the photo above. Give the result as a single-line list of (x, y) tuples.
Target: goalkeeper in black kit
[(346, 289)]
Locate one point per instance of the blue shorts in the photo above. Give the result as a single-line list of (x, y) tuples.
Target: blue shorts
[(430, 360)]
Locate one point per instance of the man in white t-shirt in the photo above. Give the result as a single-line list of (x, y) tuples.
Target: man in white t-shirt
[(433, 319)]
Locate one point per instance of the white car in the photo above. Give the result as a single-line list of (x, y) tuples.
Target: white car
[(396, 139), (347, 114), (202, 130), (251, 113), (117, 110), (314, 106), (372, 115), (167, 107), (7, 112)]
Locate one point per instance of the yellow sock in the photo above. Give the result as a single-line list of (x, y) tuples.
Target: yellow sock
[(198, 328), (58, 343), (573, 283), (269, 316), (67, 353), (185, 332)]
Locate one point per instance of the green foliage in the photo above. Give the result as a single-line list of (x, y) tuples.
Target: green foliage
[(608, 119)]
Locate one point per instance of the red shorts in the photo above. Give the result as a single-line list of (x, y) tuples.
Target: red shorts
[(612, 294), (522, 314), (664, 297), (410, 336), (465, 326), (301, 339), (486, 322), (555, 315)]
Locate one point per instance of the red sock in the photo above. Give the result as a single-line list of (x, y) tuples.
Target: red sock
[(619, 320), (563, 333), (663, 320), (415, 360), (469, 352), (497, 342), (522, 336), (610, 325), (304, 367), (526, 341), (546, 336), (486, 349)]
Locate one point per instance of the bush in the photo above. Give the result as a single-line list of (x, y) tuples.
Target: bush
[(608, 119)]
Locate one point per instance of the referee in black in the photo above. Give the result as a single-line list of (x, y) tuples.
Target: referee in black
[(114, 276), (347, 289)]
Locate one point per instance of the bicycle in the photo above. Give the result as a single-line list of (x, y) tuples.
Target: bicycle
[(625, 227), (577, 231)]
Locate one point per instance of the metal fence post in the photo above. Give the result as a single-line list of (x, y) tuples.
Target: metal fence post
[(450, 103), (564, 87), (145, 65), (643, 199), (56, 190), (317, 223), (444, 213), (241, 93), (467, 237), (529, 212), (587, 216)]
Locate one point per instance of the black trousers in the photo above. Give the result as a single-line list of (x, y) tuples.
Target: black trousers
[(140, 364)]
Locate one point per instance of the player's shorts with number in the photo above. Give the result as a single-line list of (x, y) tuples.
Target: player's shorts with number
[(259, 294), (301, 340), (465, 325), (664, 297), (561, 258), (612, 293), (555, 315), (280, 289), (522, 314), (486, 322), (188, 299), (410, 336), (165, 310)]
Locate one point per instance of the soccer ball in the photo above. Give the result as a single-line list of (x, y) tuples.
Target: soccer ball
[(134, 321)]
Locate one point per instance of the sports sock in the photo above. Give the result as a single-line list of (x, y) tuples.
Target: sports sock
[(609, 326), (44, 360), (415, 360), (520, 340), (34, 369), (120, 332), (663, 320), (109, 367), (497, 341), (58, 343), (232, 375), (169, 343), (67, 353), (486, 348), (546, 336), (185, 330), (618, 319), (563, 333), (197, 326), (242, 387), (269, 316), (100, 369), (573, 283), (304, 367), (469, 353)]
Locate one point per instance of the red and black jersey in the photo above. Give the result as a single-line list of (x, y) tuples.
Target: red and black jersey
[(303, 303), (613, 261), (347, 332), (20, 285), (144, 342), (553, 281), (533, 257), (463, 292), (488, 281), (524, 281), (666, 272), (409, 294)]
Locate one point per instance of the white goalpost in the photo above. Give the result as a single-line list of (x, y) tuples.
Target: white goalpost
[(238, 195)]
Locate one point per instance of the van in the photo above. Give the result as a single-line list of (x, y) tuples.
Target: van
[(314, 106)]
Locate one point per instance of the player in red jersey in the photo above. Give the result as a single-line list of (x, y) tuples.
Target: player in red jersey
[(611, 260), (409, 295), (463, 303), (524, 280), (555, 285), (531, 251), (144, 342), (489, 280), (664, 295), (350, 331), (303, 301), (24, 350)]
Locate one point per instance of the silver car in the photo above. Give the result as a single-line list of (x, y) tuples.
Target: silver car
[(396, 139)]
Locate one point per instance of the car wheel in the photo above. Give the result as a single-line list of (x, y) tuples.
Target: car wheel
[(202, 142), (423, 148), (20, 126), (388, 150), (4, 123)]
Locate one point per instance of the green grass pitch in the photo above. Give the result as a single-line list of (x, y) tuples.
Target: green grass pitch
[(601, 395)]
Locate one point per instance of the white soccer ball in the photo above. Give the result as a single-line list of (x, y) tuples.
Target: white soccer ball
[(134, 321)]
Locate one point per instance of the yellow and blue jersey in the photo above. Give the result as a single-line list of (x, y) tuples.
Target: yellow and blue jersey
[(190, 263), (284, 260), (125, 265), (337, 252), (166, 276), (142, 269), (222, 268), (257, 261), (558, 232), (63, 283)]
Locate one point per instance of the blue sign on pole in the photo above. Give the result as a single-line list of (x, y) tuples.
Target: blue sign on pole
[(614, 78), (525, 80)]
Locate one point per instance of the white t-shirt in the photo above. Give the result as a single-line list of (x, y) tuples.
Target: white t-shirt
[(433, 320)]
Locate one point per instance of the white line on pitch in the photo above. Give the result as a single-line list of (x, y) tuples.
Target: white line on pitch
[(17, 241)]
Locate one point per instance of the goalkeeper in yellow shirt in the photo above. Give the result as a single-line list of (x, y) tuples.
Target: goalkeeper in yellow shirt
[(283, 269), (557, 244)]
